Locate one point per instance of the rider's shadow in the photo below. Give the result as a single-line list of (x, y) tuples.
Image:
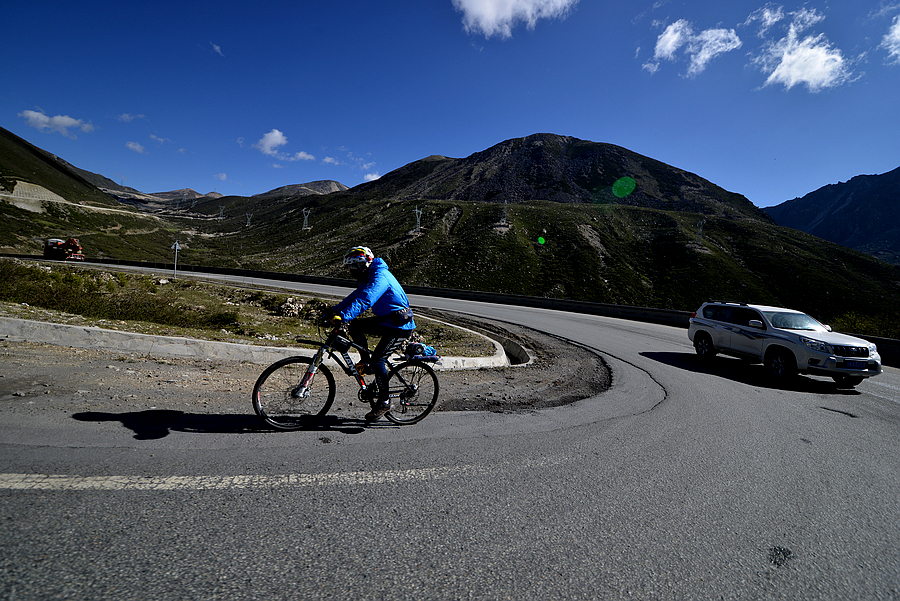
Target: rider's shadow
[(154, 424)]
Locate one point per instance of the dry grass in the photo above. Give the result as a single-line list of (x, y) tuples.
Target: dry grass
[(158, 305)]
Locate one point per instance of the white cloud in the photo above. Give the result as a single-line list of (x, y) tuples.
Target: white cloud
[(272, 141), (498, 17), (128, 118), (371, 177), (60, 123), (805, 18), (158, 139), (767, 16), (135, 147), (221, 176), (217, 49), (709, 44), (891, 42), (701, 47), (363, 164), (673, 38), (812, 60)]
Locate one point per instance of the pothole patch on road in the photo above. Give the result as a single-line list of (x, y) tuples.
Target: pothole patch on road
[(778, 556)]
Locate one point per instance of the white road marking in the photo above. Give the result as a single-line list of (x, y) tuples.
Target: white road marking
[(882, 384), (61, 482), (64, 482), (891, 388)]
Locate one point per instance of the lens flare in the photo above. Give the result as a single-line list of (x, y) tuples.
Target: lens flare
[(541, 240), (623, 187)]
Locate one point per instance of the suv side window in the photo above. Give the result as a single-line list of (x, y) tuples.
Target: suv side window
[(711, 311), (724, 314), (742, 317)]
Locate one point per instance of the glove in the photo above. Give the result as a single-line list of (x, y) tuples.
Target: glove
[(330, 318)]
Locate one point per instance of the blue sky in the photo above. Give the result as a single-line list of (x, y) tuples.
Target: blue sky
[(769, 100)]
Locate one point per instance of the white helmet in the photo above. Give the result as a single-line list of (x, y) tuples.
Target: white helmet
[(358, 255)]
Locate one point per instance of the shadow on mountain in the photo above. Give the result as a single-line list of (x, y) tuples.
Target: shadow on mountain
[(751, 374), (154, 424)]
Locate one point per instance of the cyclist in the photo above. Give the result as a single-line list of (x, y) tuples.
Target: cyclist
[(379, 291)]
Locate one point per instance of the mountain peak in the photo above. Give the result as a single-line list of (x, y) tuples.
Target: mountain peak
[(562, 169), (862, 213), (317, 187)]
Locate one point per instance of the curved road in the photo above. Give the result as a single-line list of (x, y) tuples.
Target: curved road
[(681, 482)]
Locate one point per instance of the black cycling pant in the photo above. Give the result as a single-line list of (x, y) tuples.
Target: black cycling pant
[(391, 339)]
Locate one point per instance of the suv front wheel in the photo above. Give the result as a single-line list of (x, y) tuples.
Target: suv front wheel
[(781, 364)]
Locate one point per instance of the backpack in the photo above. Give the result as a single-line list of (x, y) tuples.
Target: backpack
[(421, 352)]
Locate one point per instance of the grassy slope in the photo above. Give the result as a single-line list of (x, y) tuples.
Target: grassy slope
[(602, 253), (71, 293), (103, 234), (20, 160), (124, 233)]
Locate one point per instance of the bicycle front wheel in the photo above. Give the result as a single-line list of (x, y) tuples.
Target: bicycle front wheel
[(413, 391), (280, 398)]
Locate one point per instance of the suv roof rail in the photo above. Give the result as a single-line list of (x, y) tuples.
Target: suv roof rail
[(728, 303)]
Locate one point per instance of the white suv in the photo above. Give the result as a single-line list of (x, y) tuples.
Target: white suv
[(785, 341)]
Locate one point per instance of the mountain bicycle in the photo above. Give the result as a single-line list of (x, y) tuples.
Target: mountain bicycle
[(297, 392)]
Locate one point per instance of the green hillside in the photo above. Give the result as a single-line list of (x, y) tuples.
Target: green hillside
[(603, 253)]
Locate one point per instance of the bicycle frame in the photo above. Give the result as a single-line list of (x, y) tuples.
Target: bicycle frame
[(342, 358)]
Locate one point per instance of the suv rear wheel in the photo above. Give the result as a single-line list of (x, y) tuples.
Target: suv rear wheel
[(781, 364), (704, 346)]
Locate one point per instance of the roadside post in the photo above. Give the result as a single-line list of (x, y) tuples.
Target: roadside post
[(176, 247)]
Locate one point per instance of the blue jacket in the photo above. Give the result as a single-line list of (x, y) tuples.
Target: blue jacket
[(381, 292)]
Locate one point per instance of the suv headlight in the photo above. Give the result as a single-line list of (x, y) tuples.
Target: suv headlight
[(873, 350), (816, 345)]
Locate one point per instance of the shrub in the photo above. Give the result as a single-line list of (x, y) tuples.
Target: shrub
[(883, 325)]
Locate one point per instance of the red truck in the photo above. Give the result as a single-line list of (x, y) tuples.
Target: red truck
[(63, 250)]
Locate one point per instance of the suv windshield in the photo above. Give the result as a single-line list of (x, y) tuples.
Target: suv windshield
[(793, 321)]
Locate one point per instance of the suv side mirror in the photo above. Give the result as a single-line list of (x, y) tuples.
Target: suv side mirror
[(827, 328), (755, 323)]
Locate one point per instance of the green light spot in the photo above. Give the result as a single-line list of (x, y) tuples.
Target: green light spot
[(623, 187), (541, 240)]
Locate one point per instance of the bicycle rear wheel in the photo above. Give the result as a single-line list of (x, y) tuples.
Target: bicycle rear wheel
[(413, 390), (280, 400)]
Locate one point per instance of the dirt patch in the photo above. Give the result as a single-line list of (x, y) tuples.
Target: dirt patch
[(43, 376), (560, 373)]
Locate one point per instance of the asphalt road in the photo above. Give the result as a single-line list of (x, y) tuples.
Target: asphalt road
[(680, 482)]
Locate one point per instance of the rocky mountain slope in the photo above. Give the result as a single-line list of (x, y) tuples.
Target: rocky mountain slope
[(863, 213), (560, 169)]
